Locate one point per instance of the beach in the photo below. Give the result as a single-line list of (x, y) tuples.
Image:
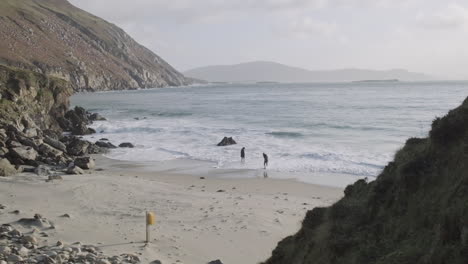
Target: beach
[(200, 217)]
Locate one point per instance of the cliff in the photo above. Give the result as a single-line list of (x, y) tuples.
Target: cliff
[(30, 100), (415, 212), (55, 38)]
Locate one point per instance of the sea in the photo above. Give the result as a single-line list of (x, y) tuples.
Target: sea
[(345, 131)]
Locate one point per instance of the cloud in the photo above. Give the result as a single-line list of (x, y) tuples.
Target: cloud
[(451, 18), (305, 27)]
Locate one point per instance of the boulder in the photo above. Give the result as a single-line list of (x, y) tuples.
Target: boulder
[(126, 145), (6, 169), (103, 144), (24, 153), (78, 147), (85, 163), (95, 149), (55, 143), (54, 177), (215, 262), (42, 170), (80, 129), (96, 117), (75, 170), (227, 141), (49, 151)]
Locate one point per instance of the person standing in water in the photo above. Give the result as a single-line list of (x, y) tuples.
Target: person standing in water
[(243, 155), (265, 160)]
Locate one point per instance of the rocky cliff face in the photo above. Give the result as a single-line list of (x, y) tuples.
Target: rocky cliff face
[(30, 100), (55, 38), (415, 212), (33, 114)]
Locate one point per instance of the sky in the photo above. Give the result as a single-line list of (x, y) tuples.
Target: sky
[(429, 36)]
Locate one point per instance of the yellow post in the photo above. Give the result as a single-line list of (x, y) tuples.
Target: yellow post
[(150, 220)]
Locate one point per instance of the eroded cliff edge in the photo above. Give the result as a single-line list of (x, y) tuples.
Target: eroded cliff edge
[(415, 212), (55, 38)]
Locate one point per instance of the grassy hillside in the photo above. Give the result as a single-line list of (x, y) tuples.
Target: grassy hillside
[(56, 38), (415, 212)]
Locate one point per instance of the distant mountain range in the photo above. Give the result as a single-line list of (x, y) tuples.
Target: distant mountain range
[(264, 71)]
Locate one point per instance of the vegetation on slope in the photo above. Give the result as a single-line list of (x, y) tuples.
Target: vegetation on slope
[(415, 212), (55, 38)]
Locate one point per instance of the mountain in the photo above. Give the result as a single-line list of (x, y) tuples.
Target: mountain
[(55, 38), (263, 71), (414, 212)]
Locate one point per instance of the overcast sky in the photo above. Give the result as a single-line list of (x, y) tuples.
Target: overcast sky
[(429, 36)]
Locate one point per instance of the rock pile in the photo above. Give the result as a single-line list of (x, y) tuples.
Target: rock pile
[(30, 148), (18, 247)]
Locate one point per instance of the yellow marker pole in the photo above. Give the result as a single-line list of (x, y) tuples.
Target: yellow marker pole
[(150, 220)]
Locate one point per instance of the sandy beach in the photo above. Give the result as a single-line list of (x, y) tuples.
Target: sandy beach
[(236, 220)]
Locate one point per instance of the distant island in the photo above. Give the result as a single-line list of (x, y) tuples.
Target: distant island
[(377, 81), (272, 72)]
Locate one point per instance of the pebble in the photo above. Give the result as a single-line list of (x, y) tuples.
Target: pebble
[(29, 239)]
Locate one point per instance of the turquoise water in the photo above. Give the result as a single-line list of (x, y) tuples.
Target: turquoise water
[(345, 128)]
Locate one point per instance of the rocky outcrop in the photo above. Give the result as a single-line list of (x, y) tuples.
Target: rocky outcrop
[(414, 212), (33, 117), (226, 141), (55, 38)]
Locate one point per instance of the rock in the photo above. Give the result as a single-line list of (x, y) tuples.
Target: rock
[(37, 221), (103, 261), (220, 191), (202, 178), (126, 145), (227, 141), (3, 151), (94, 149), (85, 163), (78, 147), (96, 117), (14, 258), (81, 129), (103, 144), (23, 252), (155, 262), (5, 250), (49, 151), (29, 239), (24, 153), (43, 170), (75, 170), (55, 143), (54, 177), (26, 168), (15, 212), (66, 216), (215, 262), (104, 139), (3, 262), (30, 132), (6, 169)]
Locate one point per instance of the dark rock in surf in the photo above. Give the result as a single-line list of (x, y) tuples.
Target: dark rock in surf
[(96, 117), (103, 144), (227, 141), (126, 145)]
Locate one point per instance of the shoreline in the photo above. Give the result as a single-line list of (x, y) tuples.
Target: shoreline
[(236, 220)]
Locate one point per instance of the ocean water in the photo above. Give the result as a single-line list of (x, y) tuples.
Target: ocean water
[(342, 128)]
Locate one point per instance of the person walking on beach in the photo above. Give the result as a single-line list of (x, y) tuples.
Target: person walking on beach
[(265, 160), (243, 155)]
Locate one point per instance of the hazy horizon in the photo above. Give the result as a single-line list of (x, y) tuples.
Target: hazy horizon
[(415, 35)]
